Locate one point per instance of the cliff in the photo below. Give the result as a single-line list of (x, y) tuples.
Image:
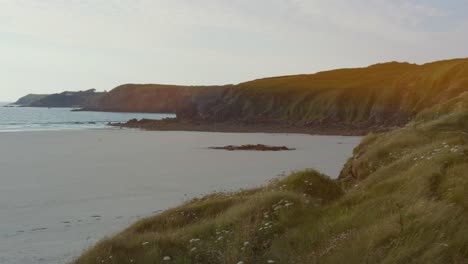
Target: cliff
[(69, 99), (79, 99), (378, 96), (384, 94), (158, 98), (29, 99)]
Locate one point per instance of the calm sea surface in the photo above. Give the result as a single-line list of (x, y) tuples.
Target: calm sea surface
[(65, 186), (38, 119)]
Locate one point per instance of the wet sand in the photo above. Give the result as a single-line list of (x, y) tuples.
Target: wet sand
[(62, 191)]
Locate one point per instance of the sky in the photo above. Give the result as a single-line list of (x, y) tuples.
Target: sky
[(49, 46)]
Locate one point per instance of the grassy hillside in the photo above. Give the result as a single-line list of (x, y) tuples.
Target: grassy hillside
[(69, 99), (28, 99), (401, 198), (381, 94), (65, 99)]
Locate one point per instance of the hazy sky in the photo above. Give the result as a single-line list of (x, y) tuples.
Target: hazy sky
[(54, 45)]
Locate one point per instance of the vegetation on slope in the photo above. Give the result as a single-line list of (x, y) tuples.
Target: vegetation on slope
[(401, 198), (28, 99), (66, 99), (383, 94)]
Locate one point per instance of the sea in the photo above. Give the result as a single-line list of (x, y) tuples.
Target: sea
[(68, 180), (39, 119)]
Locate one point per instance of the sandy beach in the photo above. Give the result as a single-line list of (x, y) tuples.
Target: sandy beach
[(68, 189)]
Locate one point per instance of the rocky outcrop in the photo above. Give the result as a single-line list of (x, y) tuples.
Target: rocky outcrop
[(257, 147)]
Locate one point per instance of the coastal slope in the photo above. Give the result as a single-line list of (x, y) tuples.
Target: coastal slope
[(66, 99), (373, 98), (388, 93), (29, 99), (356, 101)]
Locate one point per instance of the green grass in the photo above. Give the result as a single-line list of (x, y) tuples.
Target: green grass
[(383, 94), (401, 199)]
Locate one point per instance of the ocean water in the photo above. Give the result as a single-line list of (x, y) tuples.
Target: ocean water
[(62, 191), (38, 119)]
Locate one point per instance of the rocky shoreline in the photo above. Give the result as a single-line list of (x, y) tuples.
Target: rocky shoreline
[(175, 124), (257, 147)]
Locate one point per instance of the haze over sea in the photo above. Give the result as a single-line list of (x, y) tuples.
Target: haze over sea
[(38, 119)]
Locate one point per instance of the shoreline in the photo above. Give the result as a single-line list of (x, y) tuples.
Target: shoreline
[(74, 176), (174, 124)]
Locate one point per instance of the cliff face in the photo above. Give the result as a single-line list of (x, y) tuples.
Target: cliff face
[(384, 94), (157, 98)]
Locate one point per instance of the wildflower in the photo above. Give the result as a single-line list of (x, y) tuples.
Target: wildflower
[(194, 240)]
